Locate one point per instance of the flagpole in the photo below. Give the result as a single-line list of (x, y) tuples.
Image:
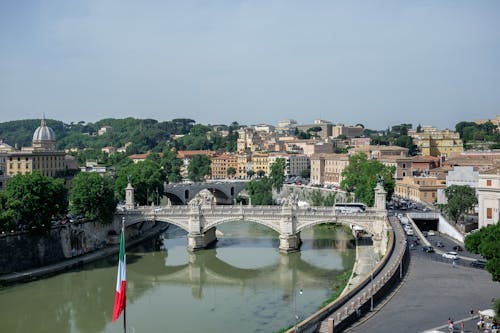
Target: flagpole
[(124, 255)]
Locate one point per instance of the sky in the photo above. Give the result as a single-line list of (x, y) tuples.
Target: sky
[(379, 63)]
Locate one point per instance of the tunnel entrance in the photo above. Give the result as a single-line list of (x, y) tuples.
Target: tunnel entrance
[(426, 225)]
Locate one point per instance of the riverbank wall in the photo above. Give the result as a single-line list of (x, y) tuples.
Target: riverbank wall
[(20, 251)]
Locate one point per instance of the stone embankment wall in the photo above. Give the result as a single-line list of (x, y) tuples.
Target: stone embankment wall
[(22, 251), (303, 193)]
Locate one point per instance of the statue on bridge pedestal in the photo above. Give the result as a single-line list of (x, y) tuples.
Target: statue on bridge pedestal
[(380, 180)]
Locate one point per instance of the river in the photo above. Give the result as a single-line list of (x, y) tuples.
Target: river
[(243, 284)]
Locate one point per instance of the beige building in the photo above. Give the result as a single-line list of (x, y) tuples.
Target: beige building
[(244, 165), (260, 161), (438, 143), (379, 152), (328, 168), (348, 131), (220, 164), (420, 189), (42, 156), (488, 193), (403, 165)]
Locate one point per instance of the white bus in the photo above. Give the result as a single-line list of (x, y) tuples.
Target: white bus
[(350, 207)]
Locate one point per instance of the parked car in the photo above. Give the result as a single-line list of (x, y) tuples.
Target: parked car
[(428, 249), (409, 232), (450, 255), (439, 244), (479, 263), (457, 248), (431, 233)]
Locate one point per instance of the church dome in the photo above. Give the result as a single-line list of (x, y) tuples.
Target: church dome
[(44, 133)]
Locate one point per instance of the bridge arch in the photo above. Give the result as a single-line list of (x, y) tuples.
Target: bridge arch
[(270, 225)]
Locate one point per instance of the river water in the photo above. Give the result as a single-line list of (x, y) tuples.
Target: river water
[(242, 285)]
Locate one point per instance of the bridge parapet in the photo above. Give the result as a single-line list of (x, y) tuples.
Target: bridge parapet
[(288, 221)]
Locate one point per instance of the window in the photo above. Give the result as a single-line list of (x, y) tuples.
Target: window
[(488, 182), (489, 213)]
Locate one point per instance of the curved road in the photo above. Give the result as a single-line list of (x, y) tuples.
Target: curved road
[(431, 293)]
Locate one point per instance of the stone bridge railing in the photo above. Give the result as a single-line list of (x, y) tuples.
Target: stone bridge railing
[(346, 309)]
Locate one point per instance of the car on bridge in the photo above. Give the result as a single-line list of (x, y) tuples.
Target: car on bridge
[(428, 249), (479, 263)]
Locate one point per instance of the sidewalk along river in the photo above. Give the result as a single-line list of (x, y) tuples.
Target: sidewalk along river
[(243, 284)]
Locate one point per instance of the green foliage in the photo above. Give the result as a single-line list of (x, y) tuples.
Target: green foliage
[(32, 200), (260, 191), (277, 174), (486, 241), (231, 171), (171, 166), (250, 173), (306, 173), (147, 178), (360, 178), (318, 199), (205, 138), (93, 197), (496, 306), (470, 131), (198, 168), (396, 136), (461, 198)]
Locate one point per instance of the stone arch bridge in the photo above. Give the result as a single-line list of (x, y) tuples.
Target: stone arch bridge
[(223, 191), (201, 221)]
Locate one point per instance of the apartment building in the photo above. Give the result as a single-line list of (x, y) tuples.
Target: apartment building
[(328, 168), (437, 143), (488, 193), (221, 164), (294, 164), (420, 189), (260, 162)]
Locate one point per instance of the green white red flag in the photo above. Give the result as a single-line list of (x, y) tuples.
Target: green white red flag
[(121, 281)]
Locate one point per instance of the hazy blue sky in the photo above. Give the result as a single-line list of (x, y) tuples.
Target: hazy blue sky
[(374, 62)]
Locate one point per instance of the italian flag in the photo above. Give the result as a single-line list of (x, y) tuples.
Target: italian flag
[(121, 281)]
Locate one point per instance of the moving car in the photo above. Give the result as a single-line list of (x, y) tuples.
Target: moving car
[(479, 263), (428, 249), (431, 233), (439, 244), (457, 248), (450, 255)]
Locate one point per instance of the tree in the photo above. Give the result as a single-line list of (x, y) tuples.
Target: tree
[(260, 191), (316, 198), (306, 173), (93, 196), (147, 179), (250, 173), (461, 198), (32, 200), (486, 241), (360, 178), (171, 165), (198, 168), (277, 174), (261, 173), (231, 171)]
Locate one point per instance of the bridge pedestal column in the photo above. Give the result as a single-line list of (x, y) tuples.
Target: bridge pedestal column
[(201, 241), (290, 243)]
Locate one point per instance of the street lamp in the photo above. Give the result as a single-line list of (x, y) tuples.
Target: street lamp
[(375, 261)]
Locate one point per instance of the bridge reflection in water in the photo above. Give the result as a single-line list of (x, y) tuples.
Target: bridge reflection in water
[(205, 268)]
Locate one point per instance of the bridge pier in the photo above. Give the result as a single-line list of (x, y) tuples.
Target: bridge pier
[(197, 241), (290, 243)]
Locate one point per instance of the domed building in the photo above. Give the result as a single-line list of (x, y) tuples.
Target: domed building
[(44, 137), (42, 156)]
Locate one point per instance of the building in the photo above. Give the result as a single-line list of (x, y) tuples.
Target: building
[(244, 165), (104, 130), (379, 152), (461, 176), (221, 164), (42, 156), (328, 168), (488, 194), (324, 133), (420, 189), (403, 165), (347, 131), (294, 164), (421, 165), (108, 150), (260, 162), (437, 143)]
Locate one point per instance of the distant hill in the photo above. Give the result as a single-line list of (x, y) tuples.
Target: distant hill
[(146, 134)]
